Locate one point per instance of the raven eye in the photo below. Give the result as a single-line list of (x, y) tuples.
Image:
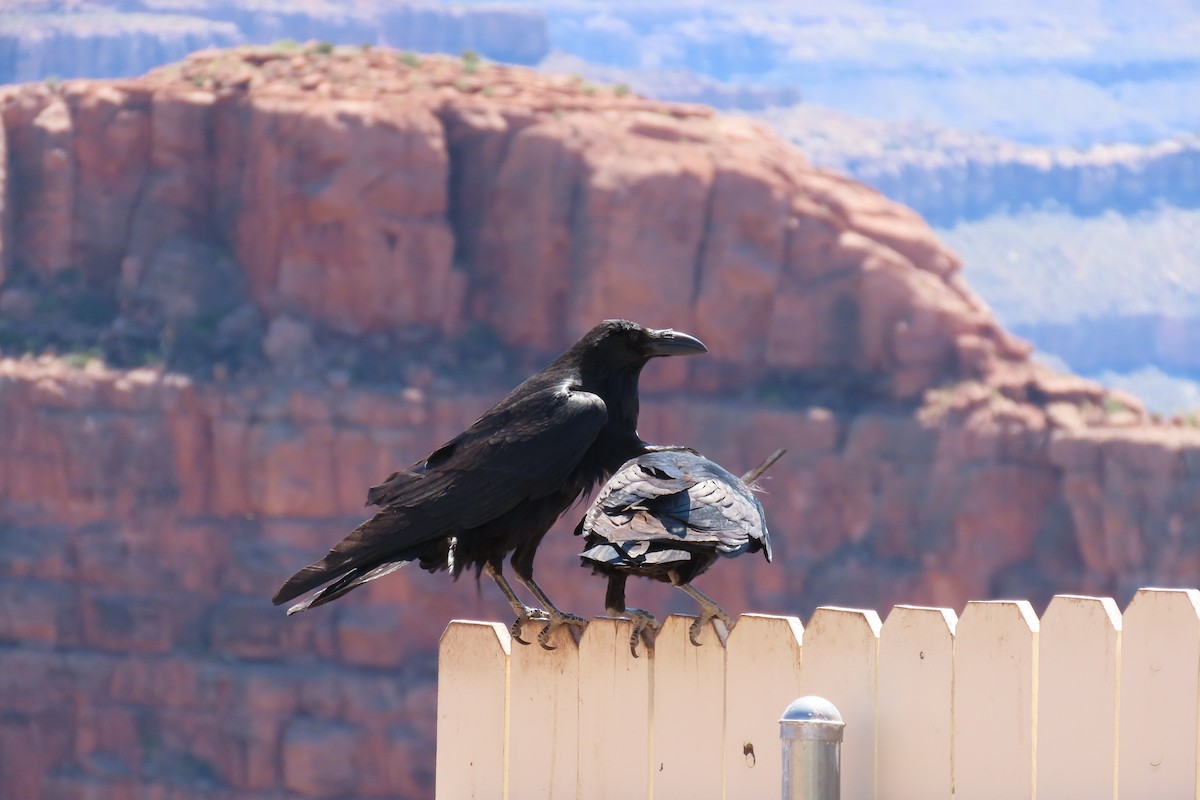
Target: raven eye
[(632, 335)]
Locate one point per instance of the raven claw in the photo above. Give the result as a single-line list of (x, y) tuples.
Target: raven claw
[(526, 615), (645, 627), (557, 621), (705, 617)]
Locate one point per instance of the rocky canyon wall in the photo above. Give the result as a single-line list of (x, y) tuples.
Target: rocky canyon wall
[(123, 38), (1126, 179), (950, 176), (334, 262)]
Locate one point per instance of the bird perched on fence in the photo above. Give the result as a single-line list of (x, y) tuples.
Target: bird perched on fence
[(497, 487), (669, 515)]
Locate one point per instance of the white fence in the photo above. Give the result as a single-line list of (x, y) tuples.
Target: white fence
[(1082, 705)]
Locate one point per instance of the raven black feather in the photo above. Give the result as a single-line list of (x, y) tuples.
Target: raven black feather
[(497, 487)]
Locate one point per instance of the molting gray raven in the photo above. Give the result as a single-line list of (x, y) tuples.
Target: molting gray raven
[(669, 515), (497, 487)]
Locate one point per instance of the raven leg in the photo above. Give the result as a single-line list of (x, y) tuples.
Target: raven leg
[(644, 624), (557, 618), (709, 610), (523, 612)]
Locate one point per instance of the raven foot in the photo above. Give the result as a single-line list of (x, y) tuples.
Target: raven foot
[(708, 615), (526, 614), (557, 620), (709, 611), (645, 627)]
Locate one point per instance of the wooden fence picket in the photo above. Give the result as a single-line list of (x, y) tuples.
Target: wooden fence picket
[(841, 654), (995, 698), (689, 714), (916, 679), (1079, 659), (472, 718), (615, 708), (762, 675), (1160, 663), (1085, 704), (543, 746)]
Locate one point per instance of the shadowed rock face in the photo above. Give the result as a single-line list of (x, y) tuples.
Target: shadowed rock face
[(309, 207)]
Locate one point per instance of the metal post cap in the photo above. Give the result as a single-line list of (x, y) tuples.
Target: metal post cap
[(813, 718)]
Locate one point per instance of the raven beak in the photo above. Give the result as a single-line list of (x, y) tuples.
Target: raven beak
[(668, 342)]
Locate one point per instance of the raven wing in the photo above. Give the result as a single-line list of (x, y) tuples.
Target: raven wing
[(659, 506), (522, 450)]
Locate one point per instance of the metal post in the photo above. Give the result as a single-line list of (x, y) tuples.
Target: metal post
[(811, 729)]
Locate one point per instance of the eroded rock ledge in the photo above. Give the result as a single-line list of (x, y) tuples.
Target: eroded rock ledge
[(278, 227)]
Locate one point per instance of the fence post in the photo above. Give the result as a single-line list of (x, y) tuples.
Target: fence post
[(811, 729)]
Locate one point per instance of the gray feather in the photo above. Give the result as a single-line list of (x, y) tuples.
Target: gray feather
[(664, 499)]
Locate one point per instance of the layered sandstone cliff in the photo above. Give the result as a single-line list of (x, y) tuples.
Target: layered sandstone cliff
[(335, 261)]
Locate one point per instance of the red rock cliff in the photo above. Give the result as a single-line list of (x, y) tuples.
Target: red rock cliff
[(327, 212)]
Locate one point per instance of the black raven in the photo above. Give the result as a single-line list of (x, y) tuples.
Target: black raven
[(669, 515), (497, 487)]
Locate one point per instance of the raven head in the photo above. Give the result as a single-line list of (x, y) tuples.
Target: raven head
[(619, 341)]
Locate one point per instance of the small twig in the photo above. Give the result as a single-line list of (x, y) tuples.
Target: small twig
[(768, 462)]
